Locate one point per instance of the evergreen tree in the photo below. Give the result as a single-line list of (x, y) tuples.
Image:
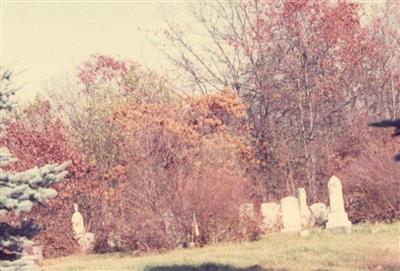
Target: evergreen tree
[(19, 190)]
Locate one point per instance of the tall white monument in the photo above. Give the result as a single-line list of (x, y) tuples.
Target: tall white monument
[(338, 220), (84, 238), (77, 223)]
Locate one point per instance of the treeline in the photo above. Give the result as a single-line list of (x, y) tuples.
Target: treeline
[(279, 99), (313, 73)]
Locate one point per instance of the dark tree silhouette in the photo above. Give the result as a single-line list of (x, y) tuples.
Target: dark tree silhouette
[(389, 123)]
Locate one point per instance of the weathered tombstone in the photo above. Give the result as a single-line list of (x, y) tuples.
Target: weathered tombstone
[(37, 251), (87, 242), (319, 214), (338, 221), (305, 213), (271, 216), (290, 215), (85, 239), (77, 223), (34, 252)]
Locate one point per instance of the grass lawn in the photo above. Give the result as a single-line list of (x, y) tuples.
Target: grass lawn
[(368, 247)]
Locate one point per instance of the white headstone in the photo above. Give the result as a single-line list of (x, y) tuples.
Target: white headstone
[(271, 213), (305, 213), (319, 214), (337, 217), (33, 252), (290, 215), (85, 239), (77, 223), (87, 242)]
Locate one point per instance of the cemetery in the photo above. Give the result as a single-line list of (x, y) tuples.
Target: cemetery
[(201, 135), (366, 248)]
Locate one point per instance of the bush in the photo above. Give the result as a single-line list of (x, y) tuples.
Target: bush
[(371, 178), (36, 137), (185, 162)]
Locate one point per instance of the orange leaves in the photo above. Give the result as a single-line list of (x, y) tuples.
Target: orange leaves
[(37, 137), (191, 118), (182, 157), (216, 112)]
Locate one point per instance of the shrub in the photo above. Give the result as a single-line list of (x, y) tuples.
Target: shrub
[(36, 137), (371, 178), (185, 160)]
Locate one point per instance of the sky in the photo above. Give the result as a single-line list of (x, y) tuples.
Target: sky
[(46, 38)]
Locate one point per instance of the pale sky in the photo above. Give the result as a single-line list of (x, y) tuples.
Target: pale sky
[(51, 37), (48, 38)]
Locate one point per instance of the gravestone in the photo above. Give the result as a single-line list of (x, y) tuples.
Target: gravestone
[(271, 213), (34, 252), (338, 221), (290, 215), (319, 214), (38, 252), (305, 213), (84, 238), (87, 242), (77, 223)]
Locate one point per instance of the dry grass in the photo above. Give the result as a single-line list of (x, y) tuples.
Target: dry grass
[(369, 247)]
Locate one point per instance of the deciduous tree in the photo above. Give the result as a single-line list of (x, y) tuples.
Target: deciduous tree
[(19, 190)]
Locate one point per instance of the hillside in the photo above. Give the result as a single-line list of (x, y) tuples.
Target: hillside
[(367, 248)]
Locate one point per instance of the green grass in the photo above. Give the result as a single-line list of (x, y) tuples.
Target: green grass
[(368, 247)]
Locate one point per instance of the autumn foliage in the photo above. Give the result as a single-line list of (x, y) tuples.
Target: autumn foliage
[(306, 69), (38, 138), (182, 161), (301, 81), (371, 175)]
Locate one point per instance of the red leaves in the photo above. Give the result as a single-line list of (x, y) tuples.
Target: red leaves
[(104, 69), (307, 68), (293, 6), (37, 138), (371, 178), (181, 158)]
